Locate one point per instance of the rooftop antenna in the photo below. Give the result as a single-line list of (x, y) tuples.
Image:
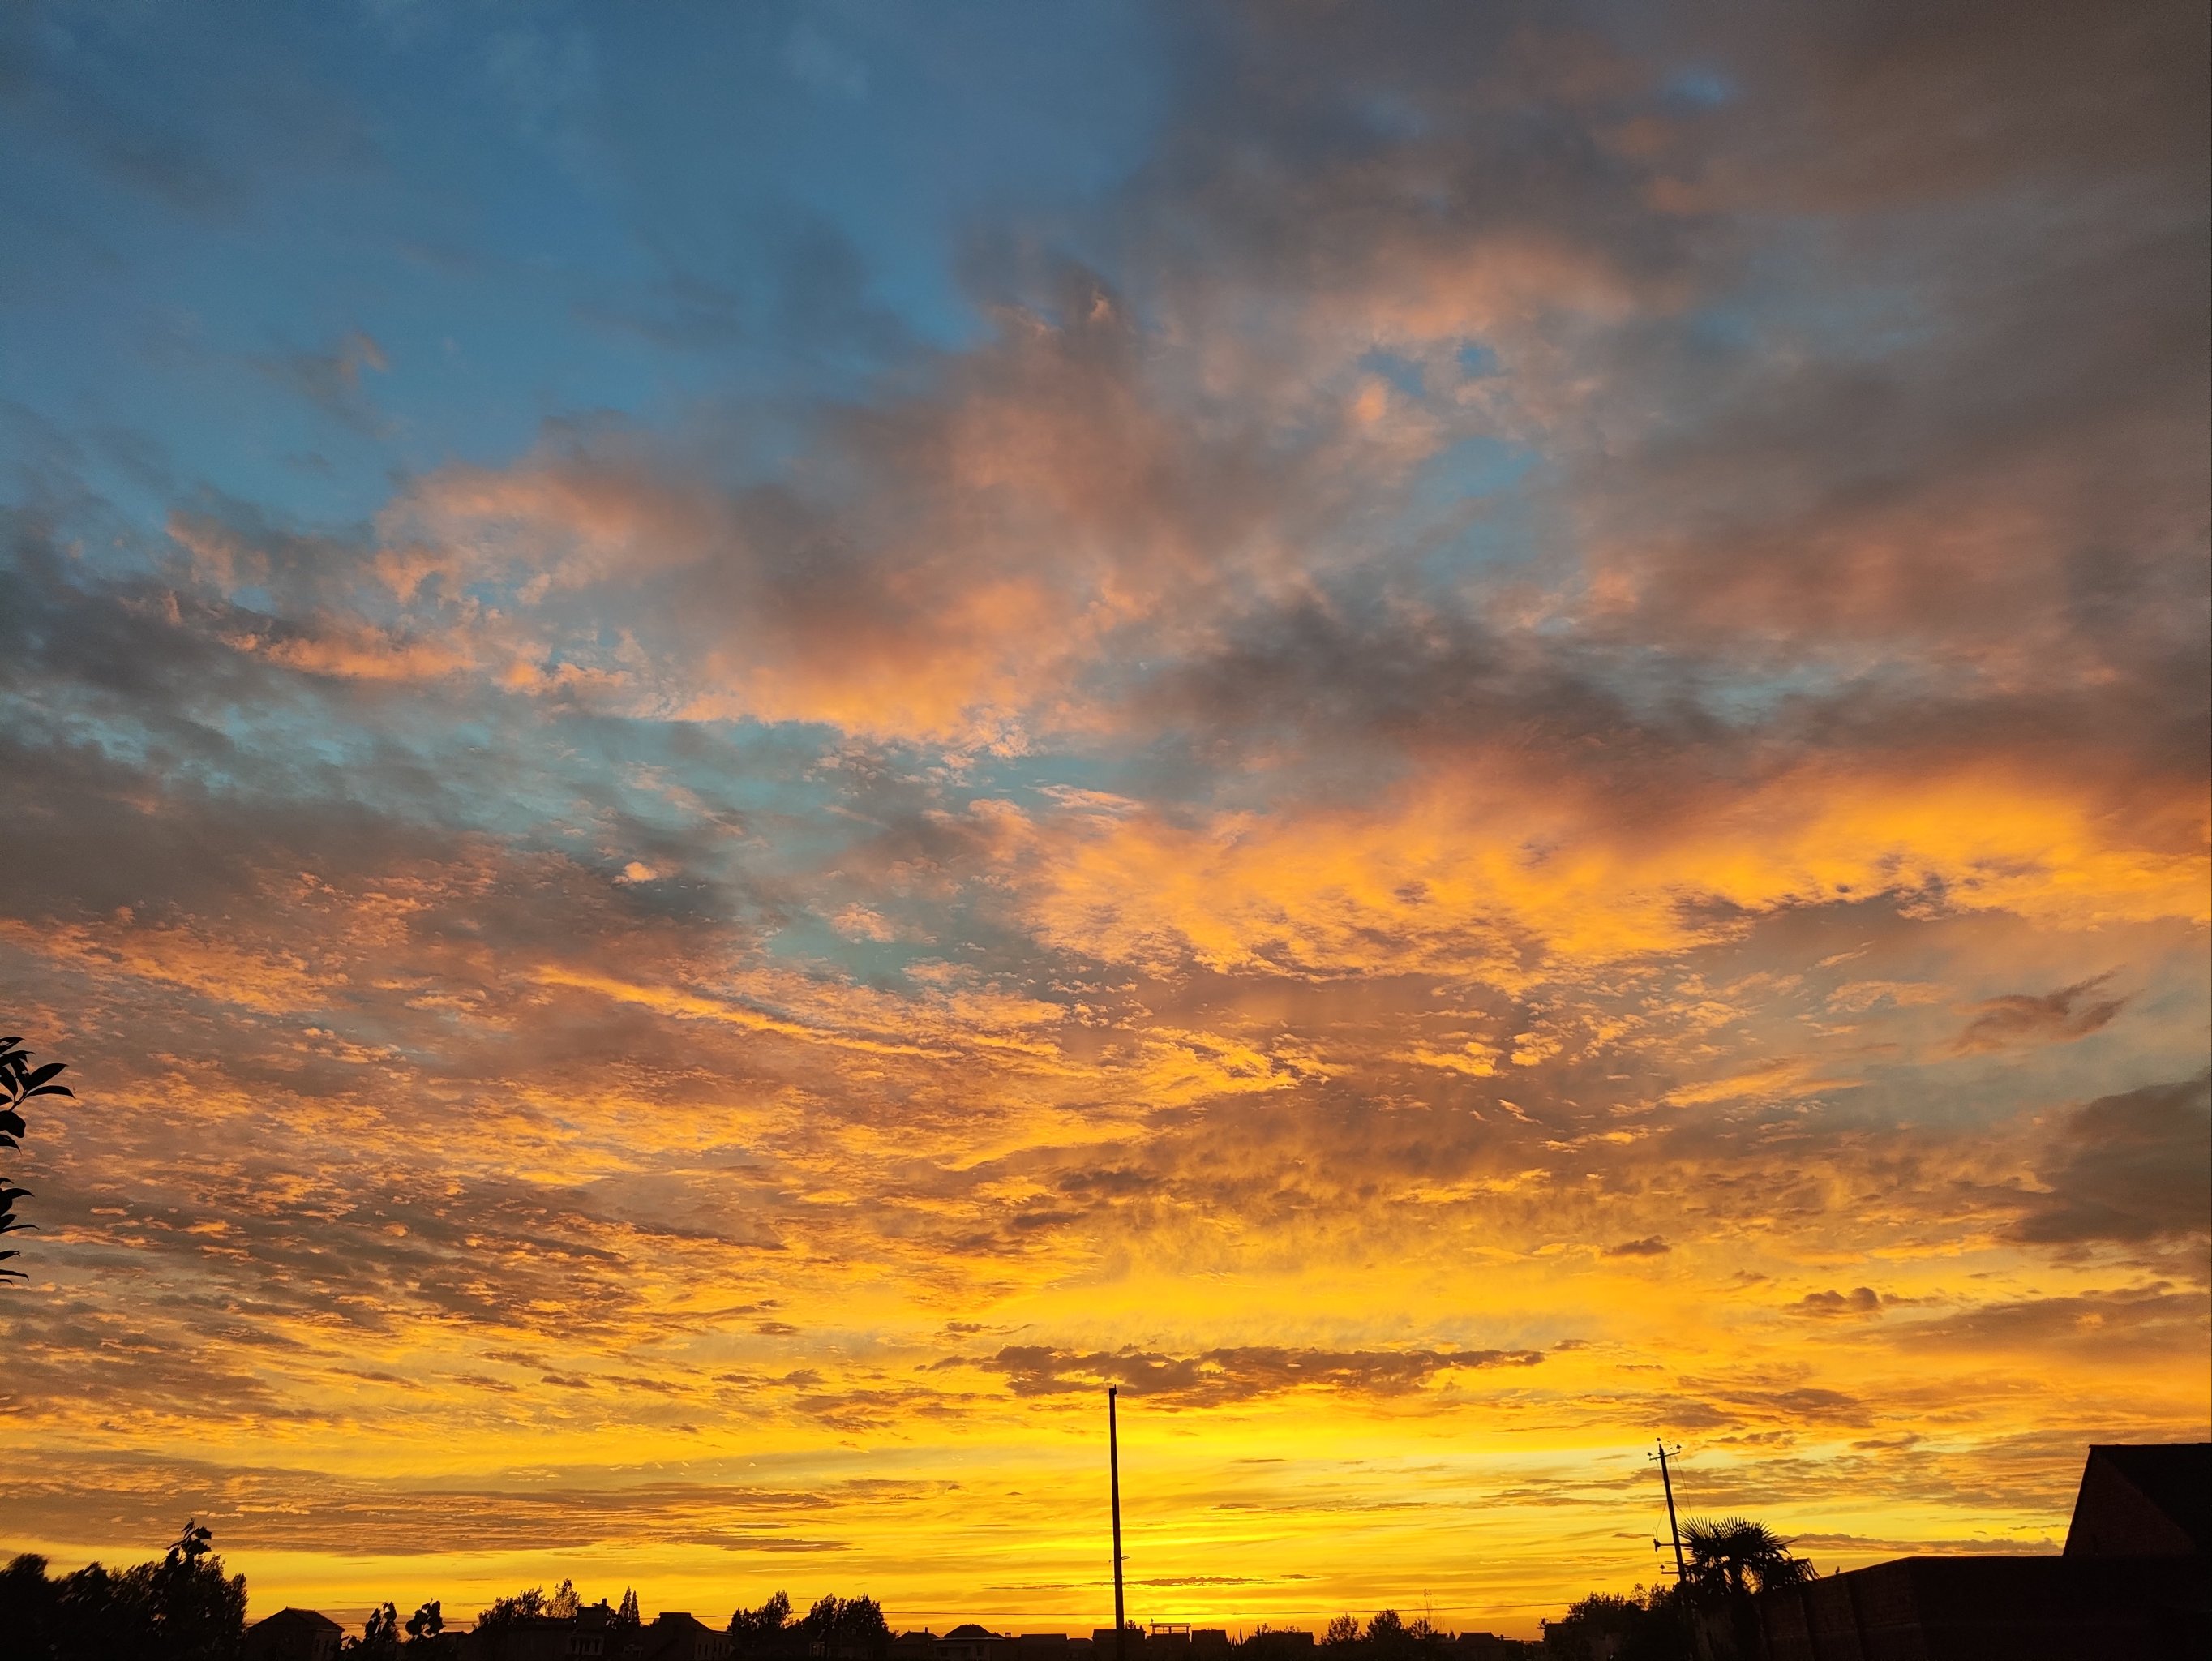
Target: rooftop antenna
[(1114, 1475)]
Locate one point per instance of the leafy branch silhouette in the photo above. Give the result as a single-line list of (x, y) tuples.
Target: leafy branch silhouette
[(19, 1082)]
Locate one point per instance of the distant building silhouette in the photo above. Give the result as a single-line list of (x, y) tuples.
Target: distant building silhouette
[(1279, 1644), (1485, 1646), (970, 1642), (583, 1636), (593, 1633), (1051, 1646), (2133, 1585), (679, 1635), (293, 1634)]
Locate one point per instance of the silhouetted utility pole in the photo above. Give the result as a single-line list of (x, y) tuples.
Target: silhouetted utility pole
[(1681, 1575), (1114, 1475)]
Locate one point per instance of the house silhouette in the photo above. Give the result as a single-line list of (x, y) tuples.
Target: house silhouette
[(2132, 1585), (293, 1634)]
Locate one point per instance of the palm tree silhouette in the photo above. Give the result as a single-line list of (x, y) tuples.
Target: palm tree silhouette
[(1734, 1557)]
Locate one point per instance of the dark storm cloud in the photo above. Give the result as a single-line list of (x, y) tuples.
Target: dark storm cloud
[(2128, 1169)]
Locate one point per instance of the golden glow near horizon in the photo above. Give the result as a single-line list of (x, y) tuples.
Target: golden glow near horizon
[(1442, 814)]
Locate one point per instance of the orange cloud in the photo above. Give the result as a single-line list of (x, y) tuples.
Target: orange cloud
[(1470, 875)]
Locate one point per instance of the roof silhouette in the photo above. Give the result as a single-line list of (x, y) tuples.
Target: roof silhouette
[(291, 1615), (2154, 1497)]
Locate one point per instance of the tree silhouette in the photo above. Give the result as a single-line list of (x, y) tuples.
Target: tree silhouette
[(847, 1629), (628, 1617), (1344, 1629), (1643, 1626), (752, 1631), (380, 1636), (182, 1608), (1733, 1558), (19, 1082), (426, 1623), (195, 1543), (198, 1614), (504, 1615), (525, 1605), (1388, 1634), (27, 1612)]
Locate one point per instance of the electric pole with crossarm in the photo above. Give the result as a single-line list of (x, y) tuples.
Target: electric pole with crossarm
[(1681, 1575), (1698, 1641)]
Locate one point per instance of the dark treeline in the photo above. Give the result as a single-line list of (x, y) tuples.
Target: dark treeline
[(836, 1629), (182, 1607), (1385, 1634), (1707, 1615)]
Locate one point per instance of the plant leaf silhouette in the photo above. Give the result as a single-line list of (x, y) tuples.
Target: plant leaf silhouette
[(19, 1082)]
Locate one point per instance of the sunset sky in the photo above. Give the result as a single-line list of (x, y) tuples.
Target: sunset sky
[(745, 742)]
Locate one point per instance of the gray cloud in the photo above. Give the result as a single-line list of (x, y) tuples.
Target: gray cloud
[(329, 378), (2020, 1019), (2146, 1318), (1219, 1376), (1860, 1300), (2128, 1169)]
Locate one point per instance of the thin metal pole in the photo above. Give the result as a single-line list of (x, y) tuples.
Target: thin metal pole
[(1113, 1471)]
